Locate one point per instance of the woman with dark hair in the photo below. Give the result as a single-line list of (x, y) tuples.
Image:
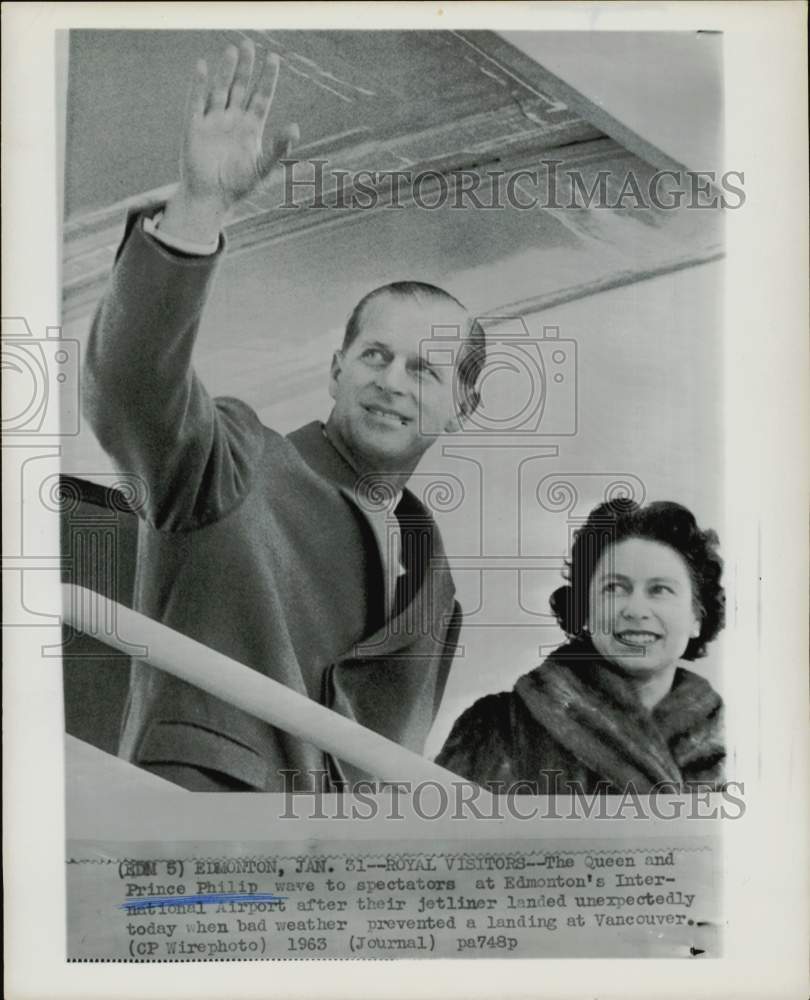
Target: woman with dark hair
[(612, 709)]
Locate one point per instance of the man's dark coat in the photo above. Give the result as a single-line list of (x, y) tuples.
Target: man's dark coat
[(261, 546)]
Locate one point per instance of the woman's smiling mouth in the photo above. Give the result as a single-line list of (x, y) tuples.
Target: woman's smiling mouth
[(636, 637)]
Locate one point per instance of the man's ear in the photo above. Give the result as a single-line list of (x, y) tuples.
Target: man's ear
[(467, 406), (334, 372)]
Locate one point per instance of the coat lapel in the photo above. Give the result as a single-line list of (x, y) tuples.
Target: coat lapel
[(436, 591), (323, 458)]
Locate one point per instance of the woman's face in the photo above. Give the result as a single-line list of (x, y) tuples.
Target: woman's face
[(641, 606)]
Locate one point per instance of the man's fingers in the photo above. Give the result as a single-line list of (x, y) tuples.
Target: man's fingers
[(262, 98), (241, 78), (224, 78), (198, 93)]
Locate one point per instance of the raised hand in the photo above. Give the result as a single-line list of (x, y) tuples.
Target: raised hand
[(225, 155)]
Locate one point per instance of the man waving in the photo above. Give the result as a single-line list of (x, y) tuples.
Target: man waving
[(305, 557)]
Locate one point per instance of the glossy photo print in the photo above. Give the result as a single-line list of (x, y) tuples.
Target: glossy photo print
[(409, 578)]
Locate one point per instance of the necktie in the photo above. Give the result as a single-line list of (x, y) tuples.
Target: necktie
[(414, 537)]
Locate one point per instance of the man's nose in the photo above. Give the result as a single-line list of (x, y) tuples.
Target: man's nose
[(394, 377)]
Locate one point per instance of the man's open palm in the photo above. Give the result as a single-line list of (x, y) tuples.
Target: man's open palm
[(224, 153)]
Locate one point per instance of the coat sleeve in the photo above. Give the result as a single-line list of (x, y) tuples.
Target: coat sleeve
[(149, 410), (480, 745)]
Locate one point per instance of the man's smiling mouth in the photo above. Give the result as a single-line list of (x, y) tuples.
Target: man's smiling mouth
[(389, 416), (637, 637)]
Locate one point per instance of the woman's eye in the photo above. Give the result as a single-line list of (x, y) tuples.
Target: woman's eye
[(611, 587), (661, 588)]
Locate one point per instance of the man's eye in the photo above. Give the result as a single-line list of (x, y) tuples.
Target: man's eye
[(372, 354)]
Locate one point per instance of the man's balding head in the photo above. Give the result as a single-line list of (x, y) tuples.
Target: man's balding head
[(472, 354)]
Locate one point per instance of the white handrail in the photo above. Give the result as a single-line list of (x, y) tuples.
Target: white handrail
[(247, 689)]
